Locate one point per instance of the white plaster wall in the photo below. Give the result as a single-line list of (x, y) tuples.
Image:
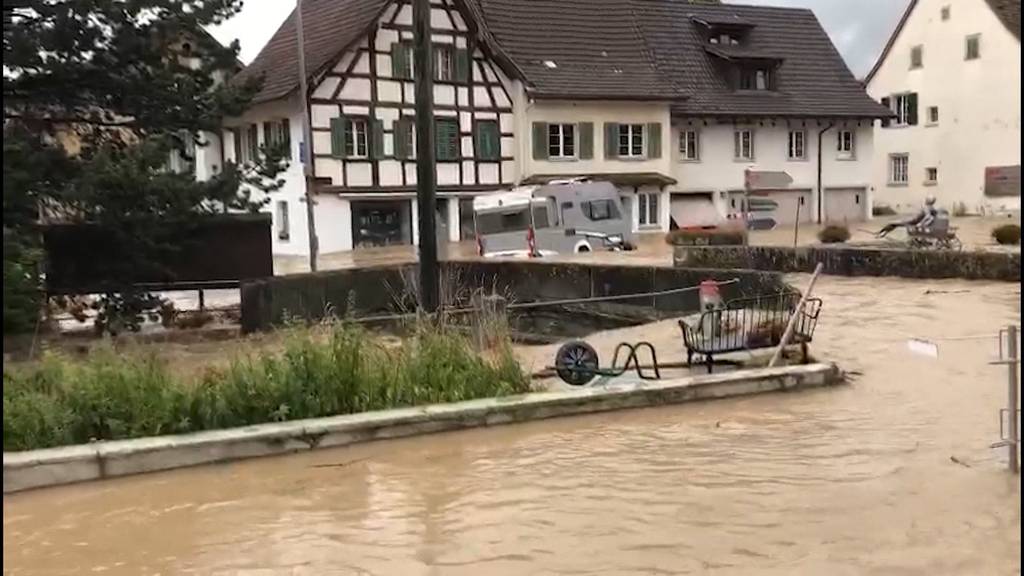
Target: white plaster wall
[(978, 100), (333, 223), (208, 157), (718, 170)]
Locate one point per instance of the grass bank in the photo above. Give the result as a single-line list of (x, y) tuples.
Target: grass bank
[(347, 370)]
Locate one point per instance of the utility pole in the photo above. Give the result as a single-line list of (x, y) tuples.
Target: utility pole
[(306, 145), (426, 161)]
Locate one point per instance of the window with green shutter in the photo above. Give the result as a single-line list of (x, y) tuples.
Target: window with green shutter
[(447, 138), (401, 60), (405, 138), (338, 136), (488, 140)]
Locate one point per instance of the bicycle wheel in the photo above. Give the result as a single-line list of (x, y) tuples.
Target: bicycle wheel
[(576, 363)]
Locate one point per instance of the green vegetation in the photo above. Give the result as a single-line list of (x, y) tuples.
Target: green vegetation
[(112, 396), (834, 234), (1007, 234), (725, 236), (882, 210)]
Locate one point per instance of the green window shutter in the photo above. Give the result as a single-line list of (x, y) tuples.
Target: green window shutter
[(286, 135), (912, 117), (268, 137), (540, 140), (398, 56), (462, 65), (653, 140), (254, 144), (237, 137), (586, 140), (611, 140), (339, 127), (447, 138), (399, 139), (488, 141), (376, 138), (888, 106)]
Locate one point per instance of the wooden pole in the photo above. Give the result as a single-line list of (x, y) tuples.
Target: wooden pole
[(796, 314), (796, 226), (426, 160), (1011, 415), (306, 153)]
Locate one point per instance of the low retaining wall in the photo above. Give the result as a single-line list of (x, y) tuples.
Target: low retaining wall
[(56, 466), (375, 290), (853, 261)]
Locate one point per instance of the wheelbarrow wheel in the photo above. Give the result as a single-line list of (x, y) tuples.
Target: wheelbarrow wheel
[(576, 363)]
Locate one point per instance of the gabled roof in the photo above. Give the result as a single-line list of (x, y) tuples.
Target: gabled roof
[(610, 50), (1008, 12), (329, 26)]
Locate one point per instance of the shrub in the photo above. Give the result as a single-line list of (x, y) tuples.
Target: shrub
[(834, 234), (1007, 234), (110, 396), (725, 236), (882, 210)]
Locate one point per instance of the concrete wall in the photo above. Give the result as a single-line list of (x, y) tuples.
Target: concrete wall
[(847, 261), (978, 101), (384, 290)]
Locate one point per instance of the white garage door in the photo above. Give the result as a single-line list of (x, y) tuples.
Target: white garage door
[(845, 204), (695, 210)]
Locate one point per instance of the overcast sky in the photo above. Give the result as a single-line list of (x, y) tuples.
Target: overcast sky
[(858, 28)]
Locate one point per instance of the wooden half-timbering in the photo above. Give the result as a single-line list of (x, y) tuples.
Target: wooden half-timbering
[(362, 110)]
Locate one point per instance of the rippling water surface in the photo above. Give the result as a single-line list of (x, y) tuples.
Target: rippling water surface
[(854, 480)]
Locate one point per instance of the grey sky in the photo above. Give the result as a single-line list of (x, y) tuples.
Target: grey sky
[(858, 28)]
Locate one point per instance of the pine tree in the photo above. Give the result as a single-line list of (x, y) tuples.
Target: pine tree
[(97, 95)]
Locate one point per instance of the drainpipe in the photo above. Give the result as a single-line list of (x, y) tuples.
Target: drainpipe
[(821, 194)]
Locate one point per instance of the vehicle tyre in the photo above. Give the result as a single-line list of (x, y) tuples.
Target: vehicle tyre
[(576, 363), (583, 247)]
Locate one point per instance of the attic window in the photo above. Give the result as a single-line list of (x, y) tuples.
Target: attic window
[(724, 40), (759, 78), (550, 64)]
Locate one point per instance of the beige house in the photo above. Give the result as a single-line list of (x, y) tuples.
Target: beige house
[(950, 73)]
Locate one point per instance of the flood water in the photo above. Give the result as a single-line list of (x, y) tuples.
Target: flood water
[(853, 480)]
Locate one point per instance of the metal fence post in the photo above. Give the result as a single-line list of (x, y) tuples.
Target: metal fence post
[(1011, 414)]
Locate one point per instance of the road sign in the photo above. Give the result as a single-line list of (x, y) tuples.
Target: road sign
[(767, 180)]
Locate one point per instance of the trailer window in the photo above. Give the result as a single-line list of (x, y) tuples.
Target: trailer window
[(519, 221), (597, 210)]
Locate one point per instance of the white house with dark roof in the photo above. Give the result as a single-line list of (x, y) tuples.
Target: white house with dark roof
[(950, 72), (668, 100)]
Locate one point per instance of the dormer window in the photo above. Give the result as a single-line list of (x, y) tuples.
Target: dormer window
[(756, 78)]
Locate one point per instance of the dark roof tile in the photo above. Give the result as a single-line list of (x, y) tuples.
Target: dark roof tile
[(1008, 12)]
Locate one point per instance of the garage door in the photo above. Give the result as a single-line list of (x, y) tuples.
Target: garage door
[(695, 210), (845, 204), (769, 209)]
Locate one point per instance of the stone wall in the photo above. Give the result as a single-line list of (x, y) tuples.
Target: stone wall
[(851, 261), (370, 291)]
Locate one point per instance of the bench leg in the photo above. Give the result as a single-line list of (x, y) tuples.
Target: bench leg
[(689, 357), (710, 362), (803, 349)]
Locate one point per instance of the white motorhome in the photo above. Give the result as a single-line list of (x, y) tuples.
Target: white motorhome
[(569, 217)]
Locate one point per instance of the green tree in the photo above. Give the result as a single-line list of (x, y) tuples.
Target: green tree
[(97, 96)]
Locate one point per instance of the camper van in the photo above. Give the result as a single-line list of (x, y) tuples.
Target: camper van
[(567, 217)]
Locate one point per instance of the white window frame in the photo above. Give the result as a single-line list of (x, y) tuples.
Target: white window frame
[(846, 147), (931, 181), (967, 47), (444, 62), (689, 145), (648, 204), (738, 145), (631, 136), (899, 175), (796, 145), (358, 138), (558, 132), (901, 108)]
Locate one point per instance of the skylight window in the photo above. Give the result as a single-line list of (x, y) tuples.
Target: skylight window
[(550, 64)]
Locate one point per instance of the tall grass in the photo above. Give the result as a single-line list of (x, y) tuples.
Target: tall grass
[(111, 396)]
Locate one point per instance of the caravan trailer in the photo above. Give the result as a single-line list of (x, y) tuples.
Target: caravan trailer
[(569, 217)]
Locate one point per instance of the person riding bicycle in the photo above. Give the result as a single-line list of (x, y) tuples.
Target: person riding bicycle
[(921, 221)]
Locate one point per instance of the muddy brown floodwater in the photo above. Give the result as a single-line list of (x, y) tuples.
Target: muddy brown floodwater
[(856, 480)]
